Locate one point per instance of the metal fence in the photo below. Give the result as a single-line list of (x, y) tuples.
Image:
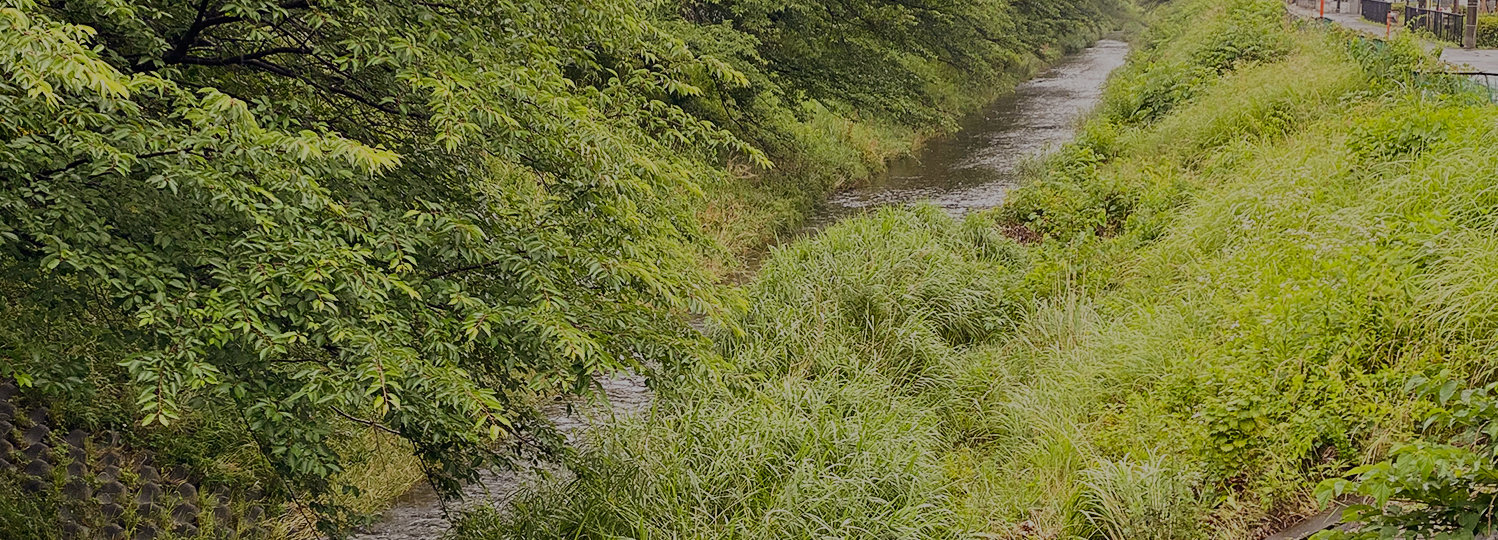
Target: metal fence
[(1483, 83), (1442, 24), (1471, 83), (1376, 11), (1447, 26)]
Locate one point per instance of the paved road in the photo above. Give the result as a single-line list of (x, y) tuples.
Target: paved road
[(1484, 60)]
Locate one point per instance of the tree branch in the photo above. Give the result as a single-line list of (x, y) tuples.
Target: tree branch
[(243, 58), (84, 160), (189, 37), (284, 71), (203, 21), (363, 422)]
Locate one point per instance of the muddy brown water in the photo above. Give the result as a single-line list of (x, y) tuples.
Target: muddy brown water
[(970, 170)]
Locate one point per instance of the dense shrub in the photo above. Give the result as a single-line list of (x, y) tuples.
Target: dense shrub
[(1487, 30), (286, 219), (1425, 489)]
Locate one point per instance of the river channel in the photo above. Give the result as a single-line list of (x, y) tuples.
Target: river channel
[(972, 169)]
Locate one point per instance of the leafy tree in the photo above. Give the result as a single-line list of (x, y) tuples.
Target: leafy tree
[(892, 57), (1431, 490), (423, 217), (419, 217)]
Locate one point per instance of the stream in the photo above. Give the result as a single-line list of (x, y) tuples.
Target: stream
[(972, 169)]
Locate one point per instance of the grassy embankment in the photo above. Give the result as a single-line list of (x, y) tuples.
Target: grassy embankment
[(823, 130), (1260, 235), (828, 92), (836, 117)]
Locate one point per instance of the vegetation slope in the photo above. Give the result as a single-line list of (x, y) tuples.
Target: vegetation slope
[(1264, 233), (305, 246)]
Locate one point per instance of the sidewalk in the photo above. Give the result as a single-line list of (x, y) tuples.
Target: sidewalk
[(1482, 60)]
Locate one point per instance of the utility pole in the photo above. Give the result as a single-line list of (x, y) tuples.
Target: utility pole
[(1469, 34)]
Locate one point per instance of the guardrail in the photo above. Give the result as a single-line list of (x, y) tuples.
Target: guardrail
[(1483, 82)]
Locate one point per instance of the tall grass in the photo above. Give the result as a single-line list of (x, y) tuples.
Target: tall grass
[(1258, 237), (853, 384), (1138, 501), (1277, 252)]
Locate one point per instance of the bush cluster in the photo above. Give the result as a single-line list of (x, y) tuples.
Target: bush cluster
[(1487, 30)]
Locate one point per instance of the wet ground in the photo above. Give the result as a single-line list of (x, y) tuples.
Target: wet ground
[(420, 514), (970, 170)]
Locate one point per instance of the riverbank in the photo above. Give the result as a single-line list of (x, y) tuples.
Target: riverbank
[(972, 168), (828, 147), (749, 210), (1174, 330), (329, 249), (1043, 116)]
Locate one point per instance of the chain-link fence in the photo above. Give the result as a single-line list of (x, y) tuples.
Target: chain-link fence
[(1481, 84)]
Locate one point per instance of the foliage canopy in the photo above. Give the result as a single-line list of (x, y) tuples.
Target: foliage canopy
[(417, 216)]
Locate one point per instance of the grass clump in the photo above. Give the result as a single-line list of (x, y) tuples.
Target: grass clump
[(850, 396), (1138, 501)]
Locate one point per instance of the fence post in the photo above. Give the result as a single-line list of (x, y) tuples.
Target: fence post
[(1469, 34)]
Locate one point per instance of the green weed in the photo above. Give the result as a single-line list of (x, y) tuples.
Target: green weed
[(1260, 235), (1124, 500)]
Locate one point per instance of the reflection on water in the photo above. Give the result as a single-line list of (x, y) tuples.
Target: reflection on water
[(974, 168)]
